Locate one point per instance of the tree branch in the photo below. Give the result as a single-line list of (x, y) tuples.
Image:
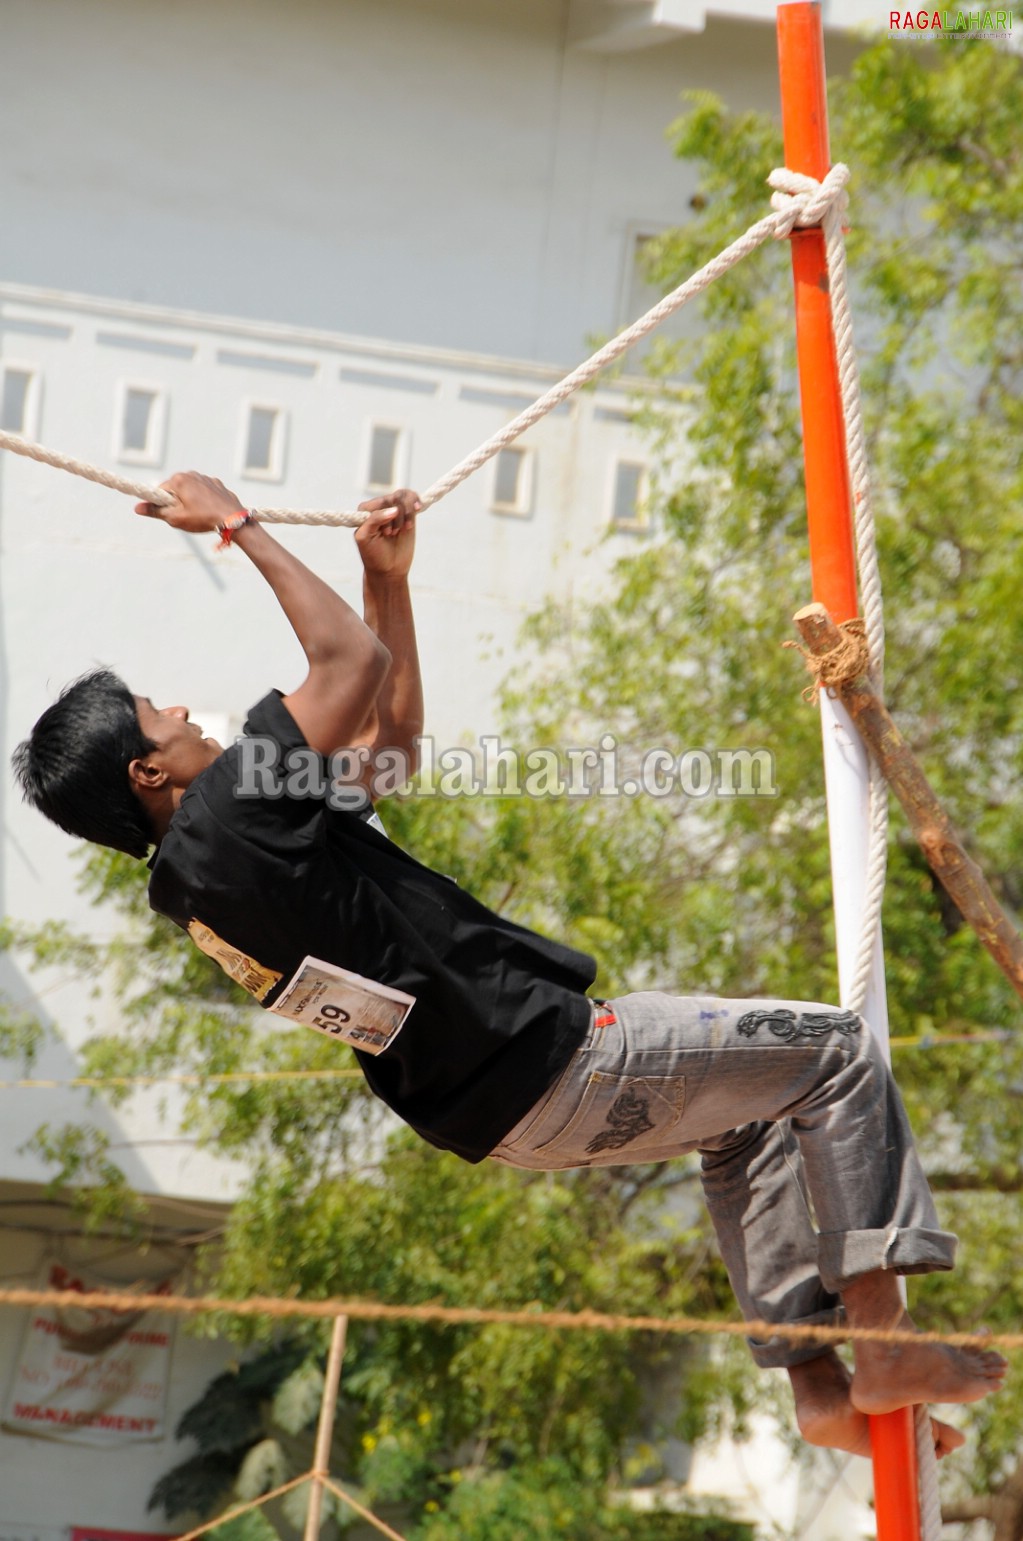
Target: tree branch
[(996, 1179), (963, 1510), (938, 840)]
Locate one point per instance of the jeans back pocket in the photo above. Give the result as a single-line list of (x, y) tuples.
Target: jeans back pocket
[(617, 1112)]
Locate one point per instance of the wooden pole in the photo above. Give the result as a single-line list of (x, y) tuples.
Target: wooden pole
[(325, 1427), (958, 872), (804, 110)]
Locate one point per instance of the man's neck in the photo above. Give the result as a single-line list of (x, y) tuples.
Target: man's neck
[(161, 811)]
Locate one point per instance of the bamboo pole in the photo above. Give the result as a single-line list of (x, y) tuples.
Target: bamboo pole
[(325, 1427), (959, 874)]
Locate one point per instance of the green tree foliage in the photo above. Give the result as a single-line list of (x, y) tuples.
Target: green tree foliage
[(225, 1425), (720, 893), (548, 1505)]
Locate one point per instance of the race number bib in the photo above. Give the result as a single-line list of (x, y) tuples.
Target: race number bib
[(345, 1006), (245, 971)]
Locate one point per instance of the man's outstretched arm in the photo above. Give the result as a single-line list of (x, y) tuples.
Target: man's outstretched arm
[(386, 545), (348, 663)]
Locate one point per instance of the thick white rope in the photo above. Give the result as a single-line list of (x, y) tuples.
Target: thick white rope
[(791, 184), (803, 207), (931, 1527), (53, 457)]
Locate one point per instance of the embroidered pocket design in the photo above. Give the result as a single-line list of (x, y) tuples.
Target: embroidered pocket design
[(627, 1118), (615, 1111), (791, 1026)]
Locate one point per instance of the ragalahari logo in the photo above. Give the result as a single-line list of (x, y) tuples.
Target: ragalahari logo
[(950, 24)]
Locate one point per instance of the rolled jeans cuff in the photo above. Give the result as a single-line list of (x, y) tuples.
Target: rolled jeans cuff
[(843, 1256), (781, 1353)]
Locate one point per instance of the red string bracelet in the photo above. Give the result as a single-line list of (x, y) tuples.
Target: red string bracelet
[(230, 527)]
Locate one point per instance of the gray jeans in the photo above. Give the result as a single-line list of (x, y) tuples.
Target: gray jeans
[(796, 1118)]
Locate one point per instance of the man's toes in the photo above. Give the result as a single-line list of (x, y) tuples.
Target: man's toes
[(946, 1438), (994, 1363)]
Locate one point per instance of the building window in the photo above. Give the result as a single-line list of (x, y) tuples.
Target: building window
[(137, 422), (19, 399), (513, 481), (141, 422), (628, 496), (263, 434), (386, 456)]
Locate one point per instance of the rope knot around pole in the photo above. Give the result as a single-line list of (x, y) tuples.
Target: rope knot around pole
[(803, 201), (848, 660)]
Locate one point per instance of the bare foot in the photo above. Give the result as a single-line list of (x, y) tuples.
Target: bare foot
[(892, 1375), (827, 1417)]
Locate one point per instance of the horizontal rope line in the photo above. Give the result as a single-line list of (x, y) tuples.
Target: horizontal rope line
[(452, 1316), (190, 1079), (223, 1078)]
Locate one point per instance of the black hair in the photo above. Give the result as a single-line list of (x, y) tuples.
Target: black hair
[(73, 766)]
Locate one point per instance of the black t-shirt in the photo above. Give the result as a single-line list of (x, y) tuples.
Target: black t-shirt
[(498, 1009)]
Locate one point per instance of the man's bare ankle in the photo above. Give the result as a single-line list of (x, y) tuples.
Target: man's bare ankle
[(874, 1300), (824, 1371)]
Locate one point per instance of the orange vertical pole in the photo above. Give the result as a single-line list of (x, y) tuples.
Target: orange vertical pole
[(804, 113), (896, 1483), (804, 110)]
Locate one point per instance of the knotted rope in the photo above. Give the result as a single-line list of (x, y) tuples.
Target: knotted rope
[(846, 661), (803, 206)]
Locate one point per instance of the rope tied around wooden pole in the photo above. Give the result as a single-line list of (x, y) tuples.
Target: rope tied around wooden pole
[(941, 844), (847, 660)]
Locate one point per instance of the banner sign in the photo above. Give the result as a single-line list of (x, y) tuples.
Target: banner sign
[(91, 1376), (83, 1533)]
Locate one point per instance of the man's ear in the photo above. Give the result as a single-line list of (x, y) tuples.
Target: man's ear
[(145, 777)]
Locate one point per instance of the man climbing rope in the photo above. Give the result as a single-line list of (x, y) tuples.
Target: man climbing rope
[(479, 1033)]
